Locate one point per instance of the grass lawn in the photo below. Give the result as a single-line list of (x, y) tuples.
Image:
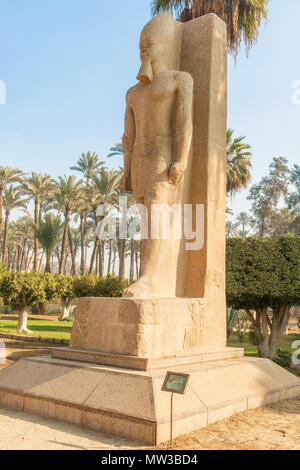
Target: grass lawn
[(44, 328), (285, 343), (62, 330)]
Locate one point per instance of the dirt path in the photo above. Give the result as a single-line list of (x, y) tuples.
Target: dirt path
[(14, 350), (270, 428), (15, 316)]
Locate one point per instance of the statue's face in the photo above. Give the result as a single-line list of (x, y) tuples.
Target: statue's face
[(151, 48), (155, 45)]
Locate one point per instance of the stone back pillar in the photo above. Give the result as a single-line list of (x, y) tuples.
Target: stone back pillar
[(204, 56)]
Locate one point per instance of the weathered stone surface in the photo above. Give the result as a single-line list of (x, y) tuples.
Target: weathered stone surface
[(131, 403), (147, 363), (138, 327)]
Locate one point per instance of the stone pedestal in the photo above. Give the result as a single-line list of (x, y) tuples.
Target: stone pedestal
[(130, 403), (110, 378), (139, 327)]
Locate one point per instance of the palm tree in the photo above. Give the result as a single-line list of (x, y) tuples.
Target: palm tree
[(242, 17), (12, 199), (244, 220), (231, 229), (238, 163), (232, 316), (7, 176), (102, 191), (67, 191), (89, 165), (116, 150), (49, 233), (76, 237), (38, 187), (22, 242), (82, 209)]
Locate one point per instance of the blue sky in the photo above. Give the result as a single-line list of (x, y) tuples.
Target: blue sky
[(68, 63)]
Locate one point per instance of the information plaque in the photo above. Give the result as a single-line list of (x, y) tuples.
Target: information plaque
[(175, 382)]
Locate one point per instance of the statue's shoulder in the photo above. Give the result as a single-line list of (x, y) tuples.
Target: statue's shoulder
[(183, 78), (133, 92)]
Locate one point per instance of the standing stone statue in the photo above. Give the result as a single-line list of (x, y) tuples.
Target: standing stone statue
[(157, 143), (110, 378)]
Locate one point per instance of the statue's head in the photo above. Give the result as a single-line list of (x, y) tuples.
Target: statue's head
[(158, 44)]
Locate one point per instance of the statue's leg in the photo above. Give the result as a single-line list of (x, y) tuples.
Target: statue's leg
[(158, 256)]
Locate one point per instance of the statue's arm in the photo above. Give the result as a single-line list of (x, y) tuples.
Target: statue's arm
[(183, 127), (128, 144)]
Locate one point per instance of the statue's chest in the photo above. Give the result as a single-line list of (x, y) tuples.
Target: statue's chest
[(155, 96), (162, 90)]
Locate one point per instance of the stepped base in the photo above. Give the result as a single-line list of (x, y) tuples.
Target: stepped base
[(130, 403), (146, 363)]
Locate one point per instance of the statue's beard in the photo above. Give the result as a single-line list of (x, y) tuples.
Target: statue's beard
[(145, 74)]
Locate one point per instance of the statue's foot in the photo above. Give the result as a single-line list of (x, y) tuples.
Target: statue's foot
[(141, 289)]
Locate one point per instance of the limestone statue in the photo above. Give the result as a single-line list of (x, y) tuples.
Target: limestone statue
[(156, 143)]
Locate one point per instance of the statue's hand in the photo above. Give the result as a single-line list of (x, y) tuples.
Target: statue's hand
[(125, 182), (176, 172)]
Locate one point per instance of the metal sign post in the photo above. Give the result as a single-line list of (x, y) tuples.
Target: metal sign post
[(171, 422), (174, 382)]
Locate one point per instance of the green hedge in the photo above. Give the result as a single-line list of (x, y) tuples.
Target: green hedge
[(263, 272), (22, 290)]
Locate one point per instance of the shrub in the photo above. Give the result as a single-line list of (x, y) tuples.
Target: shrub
[(253, 338), (110, 286), (84, 286), (90, 285), (23, 290), (65, 292), (284, 358), (262, 274), (3, 268)]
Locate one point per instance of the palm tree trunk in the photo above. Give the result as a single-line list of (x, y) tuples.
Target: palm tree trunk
[(65, 264), (121, 244), (23, 254), (5, 237), (101, 258), (109, 257), (131, 273), (71, 245), (48, 265), (1, 210), (40, 262), (40, 212), (36, 242), (82, 240), (64, 243), (13, 262), (94, 254), (26, 254), (28, 260), (18, 258), (8, 258)]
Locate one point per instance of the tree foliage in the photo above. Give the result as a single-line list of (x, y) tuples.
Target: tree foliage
[(242, 17), (48, 233), (264, 274), (238, 163), (266, 195)]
